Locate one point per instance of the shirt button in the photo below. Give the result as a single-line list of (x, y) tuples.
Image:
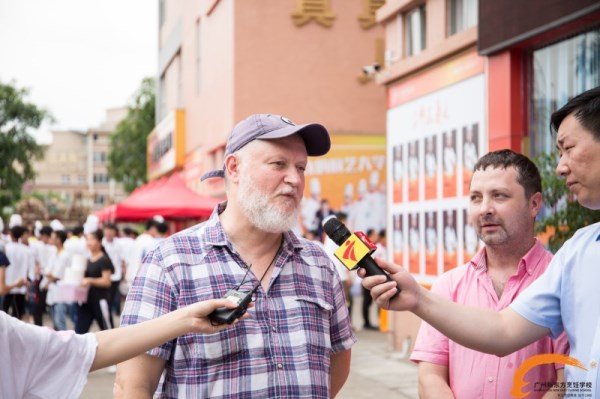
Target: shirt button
[(273, 329), (279, 365), (491, 379)]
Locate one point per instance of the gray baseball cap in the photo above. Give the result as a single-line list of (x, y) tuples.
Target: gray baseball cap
[(270, 126)]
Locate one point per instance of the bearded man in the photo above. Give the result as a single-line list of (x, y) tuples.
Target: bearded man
[(296, 342)]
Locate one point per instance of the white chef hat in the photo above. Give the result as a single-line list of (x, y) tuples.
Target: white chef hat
[(91, 224), (56, 225), (37, 227), (15, 220)]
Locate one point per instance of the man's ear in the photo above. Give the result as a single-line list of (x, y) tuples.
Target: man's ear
[(536, 203), (232, 167)]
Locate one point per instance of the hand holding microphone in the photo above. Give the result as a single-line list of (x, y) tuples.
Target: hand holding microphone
[(353, 251)]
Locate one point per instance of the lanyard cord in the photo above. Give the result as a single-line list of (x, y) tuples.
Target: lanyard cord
[(265, 273)]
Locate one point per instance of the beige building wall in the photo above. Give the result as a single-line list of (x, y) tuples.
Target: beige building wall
[(439, 45), (223, 60), (63, 169), (75, 166)]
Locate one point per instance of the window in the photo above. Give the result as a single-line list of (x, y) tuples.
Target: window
[(462, 14), (99, 199), (66, 179), (81, 179), (414, 32), (99, 158), (100, 178), (559, 72)]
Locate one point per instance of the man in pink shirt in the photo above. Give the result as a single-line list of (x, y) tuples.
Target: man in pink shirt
[(505, 197)]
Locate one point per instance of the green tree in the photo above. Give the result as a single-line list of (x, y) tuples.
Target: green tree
[(566, 215), (127, 156), (18, 148)]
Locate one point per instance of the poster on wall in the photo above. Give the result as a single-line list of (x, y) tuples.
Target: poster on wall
[(414, 243), (431, 167), (450, 177), (350, 178), (435, 136), (431, 243), (397, 174), (398, 244)]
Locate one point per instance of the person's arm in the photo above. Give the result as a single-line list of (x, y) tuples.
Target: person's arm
[(472, 327), (120, 344), (101, 282), (4, 287), (433, 381), (138, 377), (340, 369)]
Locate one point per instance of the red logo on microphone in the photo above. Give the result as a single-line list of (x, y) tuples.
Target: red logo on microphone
[(352, 251), (349, 252)]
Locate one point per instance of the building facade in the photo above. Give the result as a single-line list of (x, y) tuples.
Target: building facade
[(221, 61), (74, 169)]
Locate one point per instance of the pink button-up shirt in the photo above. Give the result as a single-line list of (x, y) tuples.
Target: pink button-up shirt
[(478, 375)]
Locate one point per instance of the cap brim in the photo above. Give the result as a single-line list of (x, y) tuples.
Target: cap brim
[(213, 173), (315, 136)]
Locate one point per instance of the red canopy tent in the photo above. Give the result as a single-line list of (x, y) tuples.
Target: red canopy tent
[(169, 197)]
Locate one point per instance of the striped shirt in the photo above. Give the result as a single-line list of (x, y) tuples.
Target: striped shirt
[(282, 351)]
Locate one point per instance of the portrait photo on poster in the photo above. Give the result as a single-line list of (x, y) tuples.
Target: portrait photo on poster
[(450, 240), (449, 164)]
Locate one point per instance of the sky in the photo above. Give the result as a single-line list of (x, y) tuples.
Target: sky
[(78, 57)]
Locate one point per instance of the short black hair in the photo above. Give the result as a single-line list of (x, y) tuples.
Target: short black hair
[(110, 226), (17, 232), (585, 107), (528, 174), (162, 227), (129, 231), (61, 234), (46, 231)]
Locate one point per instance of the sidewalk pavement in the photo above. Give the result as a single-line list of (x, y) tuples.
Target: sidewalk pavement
[(378, 372), (375, 372)]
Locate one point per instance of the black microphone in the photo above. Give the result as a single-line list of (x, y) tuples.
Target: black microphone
[(353, 252)]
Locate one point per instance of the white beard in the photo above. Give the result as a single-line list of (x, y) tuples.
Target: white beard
[(263, 215)]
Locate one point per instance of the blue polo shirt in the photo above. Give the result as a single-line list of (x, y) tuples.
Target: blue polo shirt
[(567, 297)]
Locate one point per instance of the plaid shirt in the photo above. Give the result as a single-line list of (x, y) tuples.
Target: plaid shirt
[(282, 351)]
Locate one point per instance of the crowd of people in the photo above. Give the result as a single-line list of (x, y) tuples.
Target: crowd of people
[(34, 258)]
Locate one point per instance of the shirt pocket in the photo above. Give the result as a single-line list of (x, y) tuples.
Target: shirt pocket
[(308, 318)]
